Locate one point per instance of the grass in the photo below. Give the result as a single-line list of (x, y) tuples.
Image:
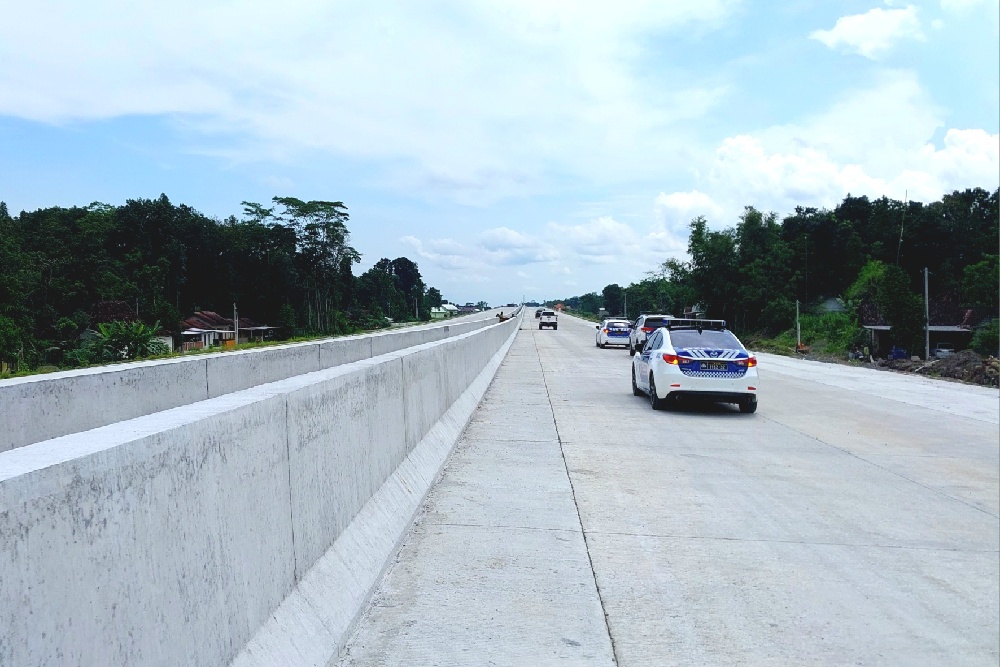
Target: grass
[(41, 370), (830, 334)]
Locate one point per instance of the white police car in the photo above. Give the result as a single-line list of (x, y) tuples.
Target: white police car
[(695, 359), (613, 331)]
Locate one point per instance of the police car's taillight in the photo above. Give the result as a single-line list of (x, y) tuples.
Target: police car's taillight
[(676, 360), (749, 362)]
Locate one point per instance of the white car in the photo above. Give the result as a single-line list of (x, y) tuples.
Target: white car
[(695, 359), (645, 325), (613, 331), (548, 318)]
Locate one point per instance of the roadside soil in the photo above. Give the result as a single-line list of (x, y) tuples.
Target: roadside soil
[(965, 366)]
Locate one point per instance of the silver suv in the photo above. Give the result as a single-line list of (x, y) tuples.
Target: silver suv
[(645, 325)]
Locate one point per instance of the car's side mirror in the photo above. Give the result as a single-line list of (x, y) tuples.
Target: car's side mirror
[(597, 326)]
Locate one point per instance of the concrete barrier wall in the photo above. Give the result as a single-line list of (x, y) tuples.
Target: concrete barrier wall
[(175, 538), (48, 406)]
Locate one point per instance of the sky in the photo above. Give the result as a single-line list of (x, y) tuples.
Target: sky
[(518, 148)]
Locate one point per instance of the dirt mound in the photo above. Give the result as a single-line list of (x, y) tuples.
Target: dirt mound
[(965, 365)]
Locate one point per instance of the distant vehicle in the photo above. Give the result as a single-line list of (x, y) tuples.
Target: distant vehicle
[(942, 350), (613, 331), (695, 359), (645, 325), (548, 319), (898, 353), (538, 313)]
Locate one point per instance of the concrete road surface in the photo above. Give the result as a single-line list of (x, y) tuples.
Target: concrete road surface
[(853, 520)]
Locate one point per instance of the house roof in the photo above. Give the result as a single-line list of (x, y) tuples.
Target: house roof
[(208, 320), (938, 328)]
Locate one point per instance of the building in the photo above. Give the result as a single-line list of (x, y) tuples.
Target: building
[(206, 328), (444, 312)]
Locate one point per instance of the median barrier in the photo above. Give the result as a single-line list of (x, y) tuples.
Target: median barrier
[(42, 407), (246, 529)]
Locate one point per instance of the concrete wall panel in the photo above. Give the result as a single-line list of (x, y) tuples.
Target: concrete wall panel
[(48, 406), (346, 436), (169, 548), (173, 538), (344, 351), (384, 343), (425, 388), (236, 371)]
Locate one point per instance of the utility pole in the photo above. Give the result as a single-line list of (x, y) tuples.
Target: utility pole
[(236, 326), (416, 309), (798, 328), (927, 320), (899, 247), (626, 303)]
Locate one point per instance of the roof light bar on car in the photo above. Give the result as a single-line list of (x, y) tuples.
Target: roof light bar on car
[(714, 325)]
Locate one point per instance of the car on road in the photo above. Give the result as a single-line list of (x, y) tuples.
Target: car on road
[(695, 359), (538, 312), (613, 331), (645, 325), (548, 319)]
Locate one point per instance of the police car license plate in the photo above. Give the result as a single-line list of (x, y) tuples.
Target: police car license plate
[(714, 365)]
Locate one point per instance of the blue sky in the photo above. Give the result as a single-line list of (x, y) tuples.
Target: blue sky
[(512, 148)]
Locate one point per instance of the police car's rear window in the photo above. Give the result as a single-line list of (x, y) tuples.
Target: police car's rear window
[(655, 322), (707, 338), (618, 324)]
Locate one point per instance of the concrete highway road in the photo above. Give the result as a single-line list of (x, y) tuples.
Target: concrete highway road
[(853, 520)]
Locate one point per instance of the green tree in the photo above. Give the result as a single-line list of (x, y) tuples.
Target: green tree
[(888, 288), (614, 299), (981, 284), (432, 299), (11, 343), (324, 258)]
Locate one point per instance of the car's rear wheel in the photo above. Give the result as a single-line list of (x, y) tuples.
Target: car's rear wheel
[(655, 401), (635, 388), (555, 326), (748, 406), (631, 350)]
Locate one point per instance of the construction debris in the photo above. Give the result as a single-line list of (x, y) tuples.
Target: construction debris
[(966, 366)]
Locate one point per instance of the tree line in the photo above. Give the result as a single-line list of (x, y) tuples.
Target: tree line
[(64, 271), (870, 254)]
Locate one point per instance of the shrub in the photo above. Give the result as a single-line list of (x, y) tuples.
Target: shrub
[(986, 340), (116, 341)]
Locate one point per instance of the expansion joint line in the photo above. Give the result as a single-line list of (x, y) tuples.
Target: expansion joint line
[(883, 468), (576, 506), (291, 499)]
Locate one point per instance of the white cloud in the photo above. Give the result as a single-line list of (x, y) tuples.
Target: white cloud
[(676, 210), (876, 140), (779, 180), (460, 97), (965, 5), (444, 253), (872, 33), (602, 249)]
